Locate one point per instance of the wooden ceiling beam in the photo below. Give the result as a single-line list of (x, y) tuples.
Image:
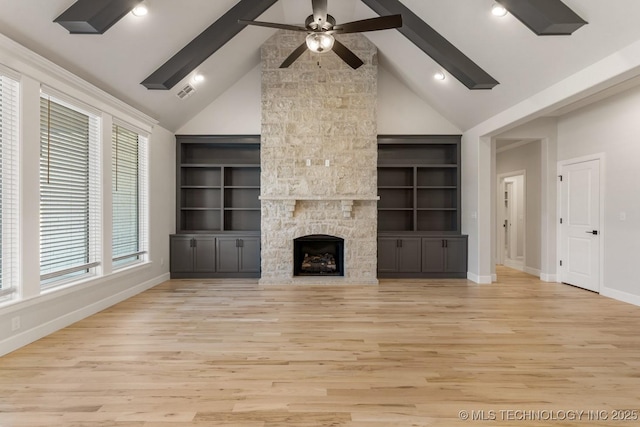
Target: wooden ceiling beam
[(545, 17), (206, 44), (94, 16), (435, 45)]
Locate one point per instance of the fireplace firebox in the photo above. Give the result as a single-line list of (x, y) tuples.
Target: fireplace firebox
[(318, 255)]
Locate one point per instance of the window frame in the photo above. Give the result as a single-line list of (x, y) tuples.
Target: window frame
[(142, 196), (10, 183), (89, 269)]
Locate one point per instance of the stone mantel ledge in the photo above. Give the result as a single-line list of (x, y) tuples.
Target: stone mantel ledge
[(346, 201)]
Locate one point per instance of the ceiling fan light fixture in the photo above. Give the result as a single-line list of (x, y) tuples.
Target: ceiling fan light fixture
[(498, 10), (320, 42), (140, 10)]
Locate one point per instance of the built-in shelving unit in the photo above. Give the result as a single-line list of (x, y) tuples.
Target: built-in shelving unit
[(217, 190), (218, 184), (418, 178), (419, 189)]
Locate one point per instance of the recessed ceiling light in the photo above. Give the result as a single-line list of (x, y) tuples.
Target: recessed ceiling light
[(197, 78), (498, 10), (140, 10), (439, 75)]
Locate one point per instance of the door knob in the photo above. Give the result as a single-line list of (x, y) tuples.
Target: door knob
[(594, 232)]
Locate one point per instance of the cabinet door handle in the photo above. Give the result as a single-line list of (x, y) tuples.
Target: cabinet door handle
[(194, 243), (399, 243)]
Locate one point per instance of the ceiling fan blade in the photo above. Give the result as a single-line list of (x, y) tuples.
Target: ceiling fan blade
[(346, 55), (273, 25), (373, 24), (294, 55), (319, 11)]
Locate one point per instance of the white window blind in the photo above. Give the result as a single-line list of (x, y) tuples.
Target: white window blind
[(69, 192), (9, 200), (129, 196)]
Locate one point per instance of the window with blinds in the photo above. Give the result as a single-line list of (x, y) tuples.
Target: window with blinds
[(9, 88), (128, 196), (69, 192)]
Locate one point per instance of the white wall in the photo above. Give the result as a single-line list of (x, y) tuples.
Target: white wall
[(400, 111), (612, 127), (237, 111), (41, 313), (478, 216), (527, 158)]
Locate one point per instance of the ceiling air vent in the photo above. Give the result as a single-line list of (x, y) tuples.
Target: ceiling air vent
[(186, 91)]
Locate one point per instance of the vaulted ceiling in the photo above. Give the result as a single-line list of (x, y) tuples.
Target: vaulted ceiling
[(506, 49)]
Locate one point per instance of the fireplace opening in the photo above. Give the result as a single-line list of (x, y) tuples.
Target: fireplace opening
[(318, 255)]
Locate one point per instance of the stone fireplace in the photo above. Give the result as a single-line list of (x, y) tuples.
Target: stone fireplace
[(318, 157)]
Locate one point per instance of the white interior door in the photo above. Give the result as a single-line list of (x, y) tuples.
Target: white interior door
[(580, 228)]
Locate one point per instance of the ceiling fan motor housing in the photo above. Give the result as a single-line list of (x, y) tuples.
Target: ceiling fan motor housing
[(312, 25)]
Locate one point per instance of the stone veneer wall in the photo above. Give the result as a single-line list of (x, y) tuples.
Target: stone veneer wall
[(318, 109)]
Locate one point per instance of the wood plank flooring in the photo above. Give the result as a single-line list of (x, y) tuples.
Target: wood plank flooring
[(405, 353)]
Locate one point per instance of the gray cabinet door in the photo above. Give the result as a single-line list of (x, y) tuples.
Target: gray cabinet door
[(387, 254), (456, 255), (181, 254), (204, 254), (227, 255), (409, 255), (433, 255), (249, 255)]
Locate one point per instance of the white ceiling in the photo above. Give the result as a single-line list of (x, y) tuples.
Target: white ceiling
[(133, 48)]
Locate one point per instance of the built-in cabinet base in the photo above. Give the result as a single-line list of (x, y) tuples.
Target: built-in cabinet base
[(402, 256), (195, 256)]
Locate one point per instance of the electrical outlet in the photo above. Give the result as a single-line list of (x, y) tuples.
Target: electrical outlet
[(161, 262), (15, 323)]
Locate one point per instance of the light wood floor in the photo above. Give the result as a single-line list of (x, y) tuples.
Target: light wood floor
[(405, 353)]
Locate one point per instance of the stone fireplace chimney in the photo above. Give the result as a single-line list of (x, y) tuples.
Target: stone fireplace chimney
[(318, 157)]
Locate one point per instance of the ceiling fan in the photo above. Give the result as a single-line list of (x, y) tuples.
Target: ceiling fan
[(321, 27)]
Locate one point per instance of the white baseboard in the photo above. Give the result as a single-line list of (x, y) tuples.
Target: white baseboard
[(548, 277), (516, 265), (481, 280), (532, 271), (27, 337), (620, 295)]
